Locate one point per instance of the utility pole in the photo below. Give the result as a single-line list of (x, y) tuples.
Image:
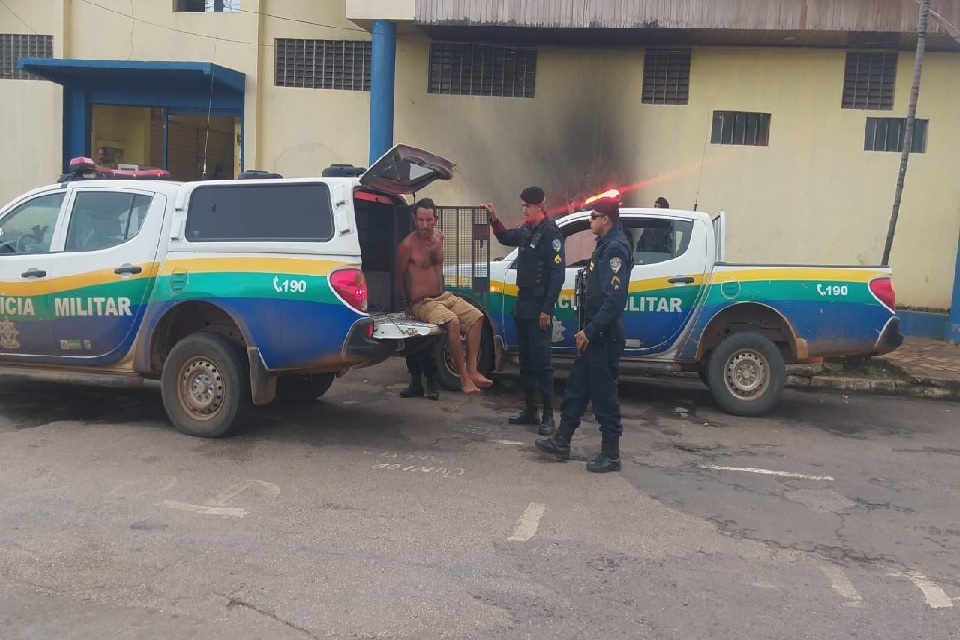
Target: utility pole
[(911, 121)]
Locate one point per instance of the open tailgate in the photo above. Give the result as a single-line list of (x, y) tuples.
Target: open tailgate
[(396, 326)]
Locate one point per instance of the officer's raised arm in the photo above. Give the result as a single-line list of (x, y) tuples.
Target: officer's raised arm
[(506, 237)]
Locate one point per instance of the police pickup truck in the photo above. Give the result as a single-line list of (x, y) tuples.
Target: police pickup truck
[(225, 292), (737, 325)]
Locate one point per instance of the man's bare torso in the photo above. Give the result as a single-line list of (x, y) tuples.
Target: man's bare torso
[(425, 267)]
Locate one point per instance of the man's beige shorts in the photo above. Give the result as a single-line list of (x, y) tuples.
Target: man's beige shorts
[(444, 308)]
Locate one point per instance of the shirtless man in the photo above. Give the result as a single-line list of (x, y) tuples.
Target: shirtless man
[(421, 256)]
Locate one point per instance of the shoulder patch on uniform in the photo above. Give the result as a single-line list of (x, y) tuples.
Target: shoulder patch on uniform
[(615, 281), (556, 259), (615, 264), (556, 245)]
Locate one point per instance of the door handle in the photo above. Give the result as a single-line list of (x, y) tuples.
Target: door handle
[(681, 280), (34, 273), (128, 269)]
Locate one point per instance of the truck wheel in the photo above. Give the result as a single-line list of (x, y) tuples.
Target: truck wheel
[(204, 383), (447, 375), (300, 389), (746, 374)]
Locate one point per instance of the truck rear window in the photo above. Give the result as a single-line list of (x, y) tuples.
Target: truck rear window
[(274, 212)]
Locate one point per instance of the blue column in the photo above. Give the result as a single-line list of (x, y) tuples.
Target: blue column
[(953, 324), (382, 82), (77, 119)]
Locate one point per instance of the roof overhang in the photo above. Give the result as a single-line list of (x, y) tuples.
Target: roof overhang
[(98, 75)]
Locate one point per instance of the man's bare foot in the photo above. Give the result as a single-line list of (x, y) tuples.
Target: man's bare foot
[(467, 385), (480, 380)]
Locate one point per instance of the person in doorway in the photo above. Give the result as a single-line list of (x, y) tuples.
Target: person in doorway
[(104, 160), (661, 203), (540, 271), (420, 256), (600, 342), (422, 365)]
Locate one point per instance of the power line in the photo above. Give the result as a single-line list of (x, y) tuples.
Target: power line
[(22, 21)]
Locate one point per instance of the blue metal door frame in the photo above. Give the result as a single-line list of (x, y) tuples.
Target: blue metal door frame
[(199, 88)]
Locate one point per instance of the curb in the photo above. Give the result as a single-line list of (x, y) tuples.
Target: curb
[(917, 388)]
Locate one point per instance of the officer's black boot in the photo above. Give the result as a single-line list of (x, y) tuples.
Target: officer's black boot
[(609, 458), (529, 414), (414, 390), (432, 393), (546, 422), (559, 445)]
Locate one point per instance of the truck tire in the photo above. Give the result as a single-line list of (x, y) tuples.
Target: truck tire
[(301, 389), (447, 375), (204, 383), (746, 374)]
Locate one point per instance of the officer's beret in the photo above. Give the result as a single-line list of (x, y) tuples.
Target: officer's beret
[(606, 206), (532, 195)]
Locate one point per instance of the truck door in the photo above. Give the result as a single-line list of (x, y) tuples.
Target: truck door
[(670, 265), (26, 232), (103, 276)]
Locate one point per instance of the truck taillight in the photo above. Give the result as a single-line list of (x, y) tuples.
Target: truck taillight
[(351, 286), (882, 290)]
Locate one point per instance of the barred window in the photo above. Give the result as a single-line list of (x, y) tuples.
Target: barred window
[(324, 64), (666, 76), (741, 128), (14, 46), (482, 70), (869, 80), (207, 6), (887, 134)]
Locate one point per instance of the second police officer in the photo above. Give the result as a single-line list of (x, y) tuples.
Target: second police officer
[(600, 341), (540, 272)]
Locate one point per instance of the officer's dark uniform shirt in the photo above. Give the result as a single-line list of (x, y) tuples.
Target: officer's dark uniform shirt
[(540, 268), (608, 277)]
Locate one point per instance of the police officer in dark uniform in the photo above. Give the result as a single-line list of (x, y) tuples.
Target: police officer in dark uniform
[(602, 296), (540, 271), (422, 365)]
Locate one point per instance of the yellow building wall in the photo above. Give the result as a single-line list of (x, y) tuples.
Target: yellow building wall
[(127, 128), (813, 196), (31, 122)]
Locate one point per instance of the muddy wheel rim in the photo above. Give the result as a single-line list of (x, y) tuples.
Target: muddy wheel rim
[(201, 388), (747, 375)]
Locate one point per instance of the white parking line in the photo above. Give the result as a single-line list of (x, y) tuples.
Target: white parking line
[(527, 526), (767, 472), (842, 585), (205, 510), (932, 593)]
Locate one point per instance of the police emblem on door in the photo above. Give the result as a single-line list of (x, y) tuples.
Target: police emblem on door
[(8, 335)]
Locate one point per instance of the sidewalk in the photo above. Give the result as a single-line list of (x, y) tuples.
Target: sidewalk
[(920, 367)]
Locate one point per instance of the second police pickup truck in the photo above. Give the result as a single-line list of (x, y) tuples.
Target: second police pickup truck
[(737, 325)]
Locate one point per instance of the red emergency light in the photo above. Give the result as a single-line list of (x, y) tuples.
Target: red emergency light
[(609, 193), (86, 169)]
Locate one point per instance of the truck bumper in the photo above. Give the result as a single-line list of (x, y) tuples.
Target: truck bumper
[(361, 349), (890, 338)]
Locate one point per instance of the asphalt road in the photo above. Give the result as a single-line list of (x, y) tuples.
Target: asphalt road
[(370, 516)]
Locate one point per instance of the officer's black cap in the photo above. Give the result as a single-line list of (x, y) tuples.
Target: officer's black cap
[(532, 195), (606, 206)]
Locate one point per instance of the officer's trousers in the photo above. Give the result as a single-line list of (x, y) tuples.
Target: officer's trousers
[(536, 364), (423, 363), (594, 378)]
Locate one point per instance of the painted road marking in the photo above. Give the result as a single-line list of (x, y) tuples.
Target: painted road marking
[(767, 472), (842, 585), (205, 510), (527, 526), (510, 442), (934, 595)]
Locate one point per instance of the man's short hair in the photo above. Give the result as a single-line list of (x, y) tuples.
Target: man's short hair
[(423, 203), (662, 203), (532, 195)]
